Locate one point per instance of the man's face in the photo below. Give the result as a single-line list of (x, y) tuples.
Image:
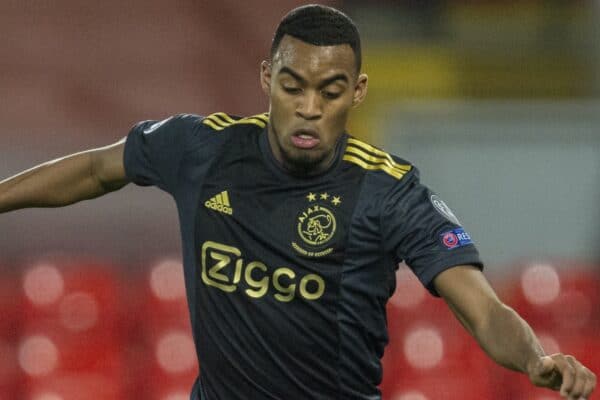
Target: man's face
[(311, 91)]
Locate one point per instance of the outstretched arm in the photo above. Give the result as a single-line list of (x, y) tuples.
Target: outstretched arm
[(66, 180), (506, 337)]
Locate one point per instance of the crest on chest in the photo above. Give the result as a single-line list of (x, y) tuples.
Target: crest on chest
[(316, 225)]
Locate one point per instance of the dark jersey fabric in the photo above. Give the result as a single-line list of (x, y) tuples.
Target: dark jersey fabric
[(287, 278)]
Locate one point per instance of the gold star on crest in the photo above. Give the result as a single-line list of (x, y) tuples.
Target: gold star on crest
[(311, 197), (336, 200), (324, 196)]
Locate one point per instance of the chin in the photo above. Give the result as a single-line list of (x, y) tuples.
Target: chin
[(303, 160)]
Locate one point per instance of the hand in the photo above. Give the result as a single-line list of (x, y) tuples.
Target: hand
[(564, 373)]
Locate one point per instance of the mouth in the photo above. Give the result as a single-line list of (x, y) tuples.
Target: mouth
[(305, 138)]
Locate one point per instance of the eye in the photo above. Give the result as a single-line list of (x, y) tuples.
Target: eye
[(330, 95), (291, 89)]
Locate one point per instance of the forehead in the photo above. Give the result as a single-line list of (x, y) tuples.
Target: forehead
[(312, 60)]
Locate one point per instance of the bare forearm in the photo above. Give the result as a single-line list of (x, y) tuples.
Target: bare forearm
[(53, 184), (508, 339)]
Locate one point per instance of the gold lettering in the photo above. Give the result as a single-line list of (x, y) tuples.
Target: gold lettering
[(260, 286), (223, 261), (218, 207), (212, 276), (299, 249), (324, 252), (286, 293), (238, 270), (217, 257), (320, 287)]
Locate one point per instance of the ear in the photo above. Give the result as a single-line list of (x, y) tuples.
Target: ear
[(360, 89), (265, 77)]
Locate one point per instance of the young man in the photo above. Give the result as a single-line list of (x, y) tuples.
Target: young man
[(292, 231)]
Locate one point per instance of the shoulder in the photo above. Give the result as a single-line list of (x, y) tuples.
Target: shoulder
[(173, 122), (221, 127), (193, 131), (386, 168), (192, 123), (221, 121), (173, 130), (388, 181)]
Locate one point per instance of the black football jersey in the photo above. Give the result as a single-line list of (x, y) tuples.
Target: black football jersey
[(288, 277)]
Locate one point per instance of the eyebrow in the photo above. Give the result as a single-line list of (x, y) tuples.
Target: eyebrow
[(325, 82)]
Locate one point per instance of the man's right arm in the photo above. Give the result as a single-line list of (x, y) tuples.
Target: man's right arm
[(66, 180)]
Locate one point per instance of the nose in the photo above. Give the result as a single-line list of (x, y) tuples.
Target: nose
[(309, 107)]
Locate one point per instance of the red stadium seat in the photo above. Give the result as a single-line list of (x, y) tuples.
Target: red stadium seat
[(162, 294), (162, 359), (10, 321), (425, 339), (77, 306), (544, 291), (442, 386), (76, 331), (9, 307), (165, 364), (433, 357), (71, 338), (74, 386), (9, 379), (79, 296)]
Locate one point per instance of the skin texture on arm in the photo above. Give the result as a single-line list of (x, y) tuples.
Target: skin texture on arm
[(506, 337), (66, 180)]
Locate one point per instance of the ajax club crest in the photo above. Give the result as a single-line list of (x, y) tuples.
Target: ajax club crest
[(316, 225)]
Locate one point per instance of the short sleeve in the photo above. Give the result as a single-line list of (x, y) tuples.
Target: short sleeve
[(419, 228), (154, 150)]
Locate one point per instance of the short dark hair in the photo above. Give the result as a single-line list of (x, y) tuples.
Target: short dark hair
[(320, 26)]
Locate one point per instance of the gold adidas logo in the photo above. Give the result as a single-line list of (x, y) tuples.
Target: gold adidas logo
[(220, 203)]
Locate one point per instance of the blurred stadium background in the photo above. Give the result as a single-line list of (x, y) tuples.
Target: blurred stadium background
[(497, 102)]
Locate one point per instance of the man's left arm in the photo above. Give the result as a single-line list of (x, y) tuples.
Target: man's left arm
[(506, 337)]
